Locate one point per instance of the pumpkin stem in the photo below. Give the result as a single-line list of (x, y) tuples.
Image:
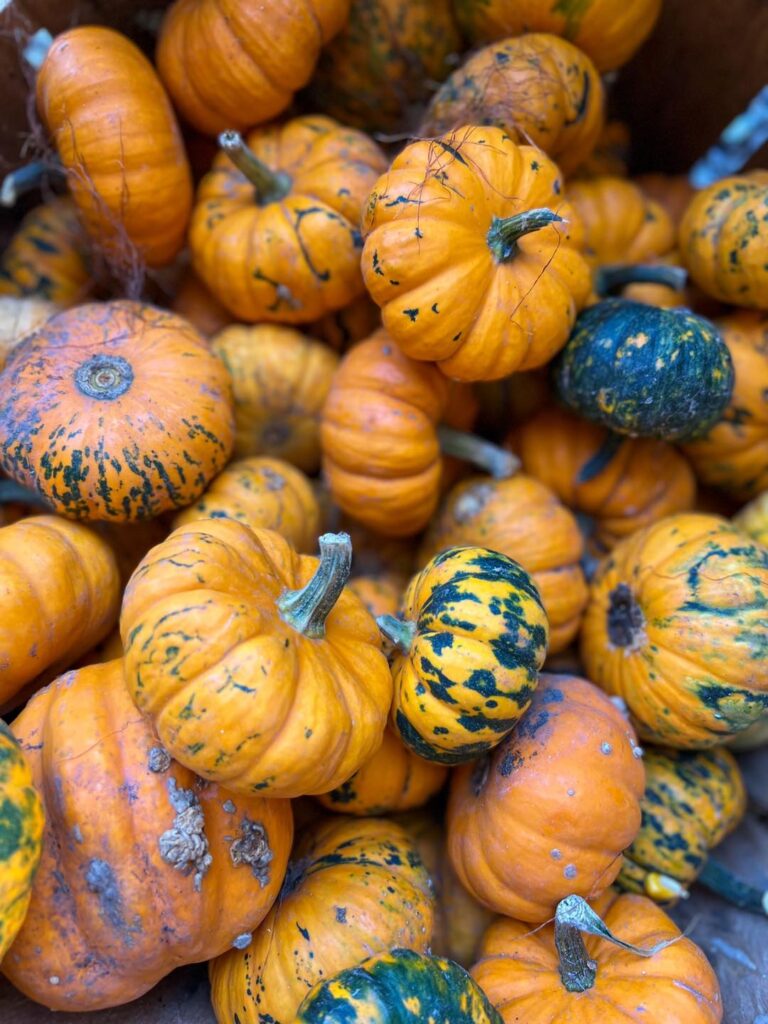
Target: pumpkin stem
[(270, 185), (399, 632), (504, 232), (499, 462), (306, 610), (610, 279), (25, 179), (596, 463), (718, 879), (12, 493)]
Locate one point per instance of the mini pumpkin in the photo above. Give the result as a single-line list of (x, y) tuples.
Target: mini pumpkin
[(20, 317), (474, 255), (354, 887), (379, 593), (115, 411), (676, 627), (672, 191), (344, 327), (525, 828), (194, 301), (275, 231), (753, 518)]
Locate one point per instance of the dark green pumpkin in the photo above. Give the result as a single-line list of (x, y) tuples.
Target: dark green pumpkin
[(401, 987), (644, 371)]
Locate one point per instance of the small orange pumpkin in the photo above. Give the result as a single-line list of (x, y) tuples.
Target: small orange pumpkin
[(380, 594), (194, 301), (672, 191), (344, 327), (752, 519)]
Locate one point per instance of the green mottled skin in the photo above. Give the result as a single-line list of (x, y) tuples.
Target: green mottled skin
[(644, 371), (45, 258)]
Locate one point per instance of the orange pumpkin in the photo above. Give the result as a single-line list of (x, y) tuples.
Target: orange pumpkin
[(473, 254), (195, 303), (102, 103), (20, 317), (549, 811), (275, 229), (542, 90), (672, 191), (346, 326), (752, 519), (380, 594), (144, 868), (610, 155)]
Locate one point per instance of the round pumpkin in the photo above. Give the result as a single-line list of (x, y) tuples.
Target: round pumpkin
[(20, 317), (280, 380), (523, 519), (343, 328), (131, 541), (194, 301), (621, 224), (144, 867), (615, 489), (474, 255), (275, 231), (379, 593), (549, 811), (257, 634), (117, 138), (753, 518), (115, 411), (540, 89), (353, 888), (672, 191), (676, 627)]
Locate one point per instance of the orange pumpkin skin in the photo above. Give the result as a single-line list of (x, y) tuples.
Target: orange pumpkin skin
[(621, 225), (20, 317), (523, 519), (143, 868), (525, 826), (752, 519), (610, 155), (280, 380), (265, 494), (345, 327), (61, 595), (131, 541), (381, 456), (380, 594), (100, 99), (115, 411), (195, 303), (237, 63), (672, 191), (542, 90), (452, 286), (519, 972), (734, 454), (295, 259), (641, 483)]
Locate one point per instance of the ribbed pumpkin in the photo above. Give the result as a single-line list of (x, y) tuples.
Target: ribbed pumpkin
[(194, 301), (753, 518), (225, 627), (21, 837), (474, 255), (542, 90), (144, 867), (523, 519), (275, 231), (733, 455), (234, 65), (60, 595), (280, 380), (614, 489), (20, 317), (676, 625), (101, 101), (354, 887), (549, 812)]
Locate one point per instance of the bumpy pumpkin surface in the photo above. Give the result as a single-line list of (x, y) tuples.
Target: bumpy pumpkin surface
[(549, 811), (238, 693), (676, 625), (144, 868), (644, 371), (753, 518), (101, 101), (353, 888), (283, 245), (621, 224), (473, 254), (115, 411), (60, 595), (542, 90), (21, 835), (280, 380)]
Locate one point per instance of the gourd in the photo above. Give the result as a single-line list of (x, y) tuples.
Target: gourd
[(672, 191), (20, 317), (379, 593), (753, 518), (194, 301), (45, 258)]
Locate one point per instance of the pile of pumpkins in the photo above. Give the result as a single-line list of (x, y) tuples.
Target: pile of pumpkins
[(303, 677)]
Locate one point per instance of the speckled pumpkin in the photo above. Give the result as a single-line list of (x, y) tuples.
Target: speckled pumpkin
[(144, 867), (525, 828), (398, 987), (733, 455), (354, 887), (523, 519), (280, 380), (542, 90), (753, 518), (276, 235), (676, 625), (644, 371), (614, 490), (20, 317), (21, 837), (115, 411), (621, 224), (474, 255), (259, 669)]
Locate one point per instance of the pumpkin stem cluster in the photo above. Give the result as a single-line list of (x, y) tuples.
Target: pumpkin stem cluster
[(499, 462), (306, 610), (270, 185), (505, 232)]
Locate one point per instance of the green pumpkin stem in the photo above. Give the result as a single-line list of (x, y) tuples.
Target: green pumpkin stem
[(306, 610), (399, 632), (504, 232), (718, 879), (499, 462), (613, 278), (270, 185), (12, 493)]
